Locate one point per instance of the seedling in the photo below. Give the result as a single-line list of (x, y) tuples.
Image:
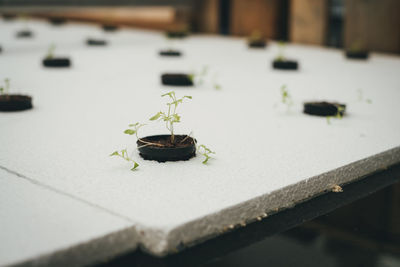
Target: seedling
[(361, 97), (4, 89), (200, 77), (124, 154), (13, 102), (339, 114), (286, 97), (170, 117), (24, 18), (281, 53), (357, 46), (256, 36), (206, 152), (50, 51)]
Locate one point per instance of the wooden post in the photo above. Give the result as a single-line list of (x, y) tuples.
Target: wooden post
[(255, 15), (206, 17), (373, 24), (309, 21)]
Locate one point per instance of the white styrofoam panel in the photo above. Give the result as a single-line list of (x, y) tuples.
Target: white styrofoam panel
[(38, 221), (267, 158)]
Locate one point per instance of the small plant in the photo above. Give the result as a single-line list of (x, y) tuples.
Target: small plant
[(286, 97), (4, 89), (170, 117), (200, 77), (361, 97), (256, 36), (206, 152), (124, 154), (50, 51), (281, 53), (216, 85), (357, 46), (24, 18), (338, 115)]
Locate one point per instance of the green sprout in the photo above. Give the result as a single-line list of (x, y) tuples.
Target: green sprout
[(205, 151), (286, 97), (356, 46), (124, 154), (50, 51), (361, 97), (201, 75), (281, 53), (5, 88), (135, 129), (256, 35), (216, 85), (170, 117), (338, 115)]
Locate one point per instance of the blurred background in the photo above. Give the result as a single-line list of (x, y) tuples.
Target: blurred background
[(365, 233), (368, 24)]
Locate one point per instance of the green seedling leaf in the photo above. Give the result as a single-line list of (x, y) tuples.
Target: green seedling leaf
[(115, 153), (156, 117), (135, 166), (286, 97), (206, 152), (130, 132), (50, 51), (124, 155)]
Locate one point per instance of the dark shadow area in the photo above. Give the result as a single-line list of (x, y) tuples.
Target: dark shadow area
[(358, 227)]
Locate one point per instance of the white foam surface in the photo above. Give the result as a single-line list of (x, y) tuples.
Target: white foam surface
[(267, 157)]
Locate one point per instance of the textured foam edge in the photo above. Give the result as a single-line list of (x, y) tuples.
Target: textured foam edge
[(92, 251), (159, 243)]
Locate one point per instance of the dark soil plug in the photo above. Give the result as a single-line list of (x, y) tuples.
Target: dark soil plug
[(96, 42), (324, 108), (24, 34), (357, 54), (56, 62), (257, 43), (170, 53), (110, 28), (15, 102), (177, 79), (285, 64), (160, 148)]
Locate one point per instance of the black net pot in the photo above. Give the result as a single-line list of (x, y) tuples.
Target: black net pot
[(109, 28), (176, 79), (170, 53), (257, 44), (324, 108), (24, 34), (285, 64), (177, 34), (362, 55), (15, 102), (96, 42), (184, 149), (56, 62), (57, 21)]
